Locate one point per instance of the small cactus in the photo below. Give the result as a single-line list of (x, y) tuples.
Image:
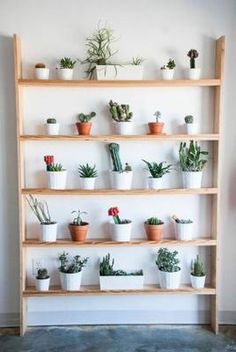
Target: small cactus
[(51, 121), (127, 167), (154, 221), (86, 118), (157, 114), (192, 54), (120, 113), (198, 268), (40, 65), (42, 274), (114, 151), (189, 119)]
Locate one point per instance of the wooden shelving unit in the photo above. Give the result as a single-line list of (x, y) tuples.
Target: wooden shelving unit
[(211, 241)]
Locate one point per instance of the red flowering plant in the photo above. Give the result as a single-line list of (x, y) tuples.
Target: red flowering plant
[(50, 165), (114, 211)]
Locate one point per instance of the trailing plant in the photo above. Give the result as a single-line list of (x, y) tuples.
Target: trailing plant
[(40, 210), (192, 54), (120, 113), (189, 119), (66, 62), (71, 265), (190, 157), (198, 267), (137, 61), (158, 170), (42, 274), (86, 117), (181, 221), (106, 268), (114, 211), (40, 65), (154, 221), (77, 220), (170, 65), (167, 261), (87, 171), (50, 165), (157, 115), (114, 150), (51, 121)]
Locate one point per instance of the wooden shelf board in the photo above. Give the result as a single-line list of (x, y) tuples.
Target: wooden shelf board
[(107, 242), (104, 138), (95, 290), (135, 191), (210, 82)]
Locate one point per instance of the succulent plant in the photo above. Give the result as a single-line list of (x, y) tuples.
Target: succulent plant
[(51, 121), (158, 170), (157, 115), (87, 171), (40, 210), (42, 274), (154, 221), (114, 211), (66, 62), (181, 221), (170, 65), (50, 165), (190, 157), (120, 113), (78, 218), (71, 265), (189, 119), (192, 54), (198, 268), (137, 61), (40, 65), (106, 268), (86, 117), (167, 261)]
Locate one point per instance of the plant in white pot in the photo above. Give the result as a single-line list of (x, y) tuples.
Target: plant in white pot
[(111, 279), (41, 71), (168, 70), (191, 126), (56, 174), (70, 270), (120, 229), (52, 127), (184, 228), (193, 72), (121, 116), (42, 280), (198, 274), (48, 227), (157, 171), (88, 175), (169, 271), (192, 164), (66, 69)]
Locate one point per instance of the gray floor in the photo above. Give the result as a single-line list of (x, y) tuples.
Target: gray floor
[(120, 339)]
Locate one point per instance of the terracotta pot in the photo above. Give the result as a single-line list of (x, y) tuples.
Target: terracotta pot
[(156, 127), (84, 128), (153, 232), (79, 232)]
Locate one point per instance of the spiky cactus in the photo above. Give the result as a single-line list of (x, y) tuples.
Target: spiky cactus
[(120, 113), (106, 266), (154, 221), (51, 121), (198, 268), (114, 151), (42, 274)]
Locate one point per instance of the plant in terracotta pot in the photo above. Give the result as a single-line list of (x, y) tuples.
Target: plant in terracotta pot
[(191, 126), (52, 127), (56, 174), (84, 125), (153, 227), (121, 116), (184, 228), (48, 227), (168, 70), (168, 268), (88, 175), (78, 228), (157, 171), (156, 127), (120, 229), (66, 68), (70, 270), (198, 274), (193, 72), (42, 280), (41, 71)]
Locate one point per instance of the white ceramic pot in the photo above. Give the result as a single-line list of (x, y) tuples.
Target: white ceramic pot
[(121, 180), (198, 281), (52, 128), (48, 232), (121, 232), (87, 182), (119, 72), (154, 183), (70, 282), (42, 284), (42, 73), (65, 73), (191, 128), (169, 280), (123, 127), (57, 179), (184, 232), (167, 74), (131, 282), (192, 179), (193, 73)]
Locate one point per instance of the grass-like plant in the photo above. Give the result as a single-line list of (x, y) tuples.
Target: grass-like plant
[(181, 221), (67, 62), (71, 265), (158, 170), (87, 171), (167, 261), (40, 210), (190, 157)]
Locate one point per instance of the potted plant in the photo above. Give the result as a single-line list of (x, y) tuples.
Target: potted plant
[(153, 227), (84, 125), (198, 274), (78, 228), (41, 71), (71, 271), (136, 71), (52, 127), (55, 173), (111, 279), (169, 271), (156, 127), (48, 227), (184, 228), (120, 229), (193, 72), (121, 116), (168, 70), (88, 175), (157, 171), (66, 68), (191, 126), (192, 164), (42, 280), (121, 178)]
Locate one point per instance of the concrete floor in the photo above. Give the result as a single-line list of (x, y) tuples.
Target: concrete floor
[(119, 339)]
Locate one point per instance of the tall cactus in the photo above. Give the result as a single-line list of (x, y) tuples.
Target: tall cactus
[(114, 151)]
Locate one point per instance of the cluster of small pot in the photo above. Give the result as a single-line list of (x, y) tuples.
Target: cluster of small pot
[(167, 262)]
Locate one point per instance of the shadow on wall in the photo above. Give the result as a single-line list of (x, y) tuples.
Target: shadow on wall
[(9, 281)]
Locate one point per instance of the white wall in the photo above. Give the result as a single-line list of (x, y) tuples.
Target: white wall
[(156, 31)]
